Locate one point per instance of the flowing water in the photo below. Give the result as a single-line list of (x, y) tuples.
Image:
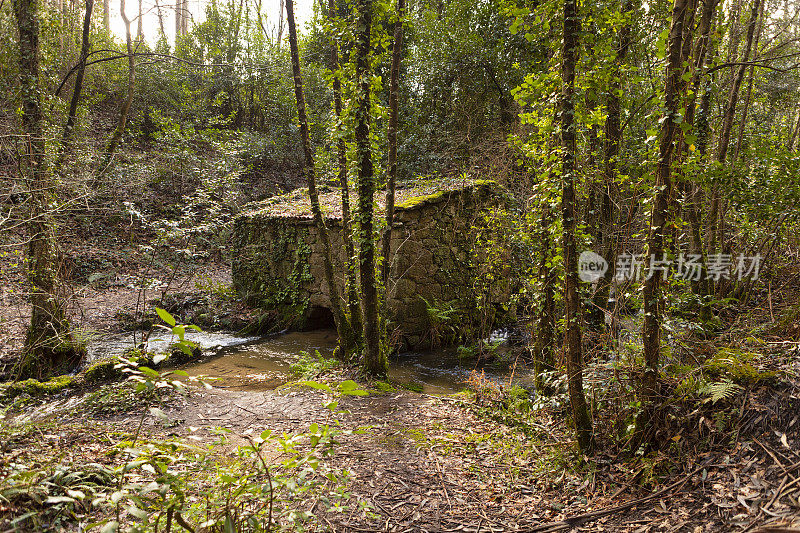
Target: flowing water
[(256, 363)]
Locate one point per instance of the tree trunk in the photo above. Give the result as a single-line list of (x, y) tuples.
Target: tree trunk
[(749, 93), (342, 326), (160, 18), (727, 125), (280, 26), (580, 412), (793, 139), (394, 89), (49, 346), (651, 330), (692, 192), (178, 15), (116, 137), (185, 16), (106, 14), (139, 30), (613, 140), (72, 113), (543, 359), (351, 279), (374, 356)]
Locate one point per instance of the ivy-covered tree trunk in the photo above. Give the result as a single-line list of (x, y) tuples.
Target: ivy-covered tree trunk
[(611, 148), (351, 280), (651, 330), (49, 347), (374, 355), (309, 170), (394, 89), (693, 193), (580, 411)]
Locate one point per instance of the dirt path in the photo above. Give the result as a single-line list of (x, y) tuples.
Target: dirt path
[(399, 465), (435, 464), (425, 463)]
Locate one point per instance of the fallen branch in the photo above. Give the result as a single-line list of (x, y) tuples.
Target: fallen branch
[(578, 520)]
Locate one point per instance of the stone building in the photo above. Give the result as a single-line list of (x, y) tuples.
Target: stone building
[(436, 289)]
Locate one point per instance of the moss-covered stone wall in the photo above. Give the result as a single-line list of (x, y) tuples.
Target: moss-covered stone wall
[(278, 264)]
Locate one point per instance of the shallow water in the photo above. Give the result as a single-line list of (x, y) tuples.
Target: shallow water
[(264, 363), (255, 363), (109, 346)]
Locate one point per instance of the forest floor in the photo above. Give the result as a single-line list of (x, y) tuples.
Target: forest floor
[(430, 463), (424, 463)]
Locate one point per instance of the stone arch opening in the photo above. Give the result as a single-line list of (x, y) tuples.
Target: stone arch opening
[(319, 318)]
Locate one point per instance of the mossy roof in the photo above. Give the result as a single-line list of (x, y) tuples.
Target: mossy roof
[(296, 204)]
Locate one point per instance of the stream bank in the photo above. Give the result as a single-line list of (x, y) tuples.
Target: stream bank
[(417, 462)]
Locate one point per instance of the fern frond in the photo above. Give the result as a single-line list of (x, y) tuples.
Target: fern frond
[(722, 390)]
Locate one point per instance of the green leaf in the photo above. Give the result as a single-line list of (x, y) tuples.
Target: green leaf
[(155, 411), (229, 526), (165, 316), (110, 527), (138, 513), (149, 372), (661, 44), (316, 385), (53, 500), (348, 385)]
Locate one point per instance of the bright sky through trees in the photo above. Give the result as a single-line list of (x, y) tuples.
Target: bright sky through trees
[(271, 9)]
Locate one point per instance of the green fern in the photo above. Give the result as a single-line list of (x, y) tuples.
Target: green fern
[(721, 390)]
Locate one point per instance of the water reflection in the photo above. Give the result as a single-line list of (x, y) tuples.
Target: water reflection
[(248, 363)]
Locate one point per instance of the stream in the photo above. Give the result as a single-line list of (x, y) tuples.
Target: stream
[(262, 363)]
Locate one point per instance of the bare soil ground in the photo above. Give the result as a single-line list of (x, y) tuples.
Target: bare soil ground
[(440, 464)]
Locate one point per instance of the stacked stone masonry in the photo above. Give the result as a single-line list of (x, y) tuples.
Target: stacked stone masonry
[(278, 261)]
